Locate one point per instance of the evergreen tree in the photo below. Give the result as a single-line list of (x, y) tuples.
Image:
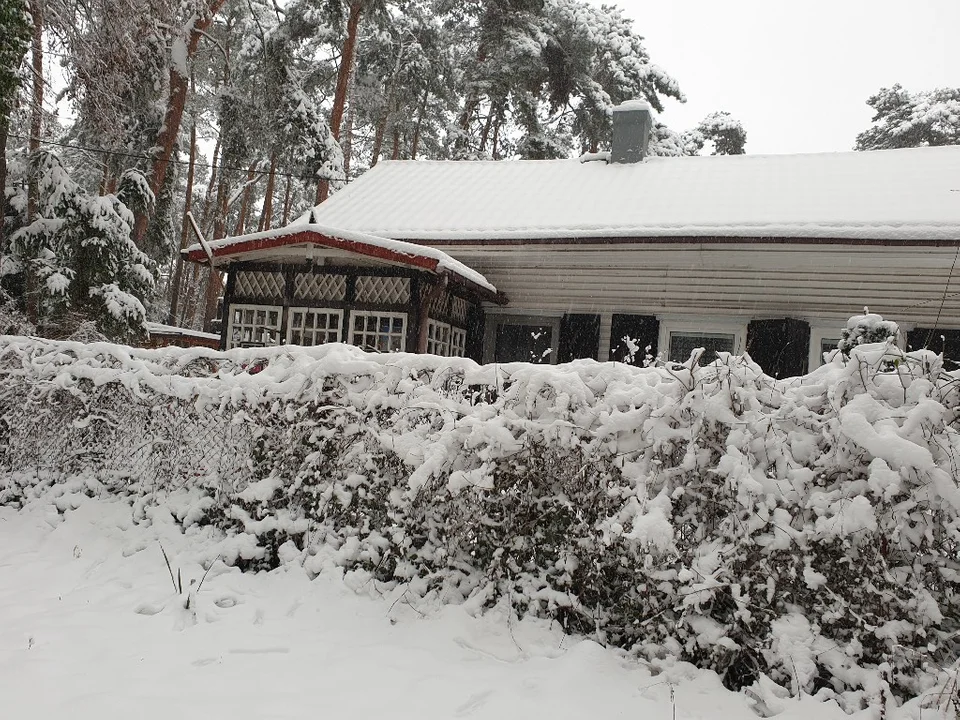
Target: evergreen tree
[(80, 249), (722, 130), (15, 30), (903, 119)]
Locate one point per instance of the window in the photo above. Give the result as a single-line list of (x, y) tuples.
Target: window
[(684, 343), (314, 326), (828, 345), (524, 343), (378, 331), (509, 337), (254, 325), (446, 340), (458, 342), (824, 336), (438, 338)]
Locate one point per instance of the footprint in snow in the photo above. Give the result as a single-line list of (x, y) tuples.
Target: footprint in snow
[(473, 703), (148, 609)]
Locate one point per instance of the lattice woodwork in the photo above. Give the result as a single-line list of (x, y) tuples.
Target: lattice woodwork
[(259, 284), (312, 286), (458, 310), (383, 290)]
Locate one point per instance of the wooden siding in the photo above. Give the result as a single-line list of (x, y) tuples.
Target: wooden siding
[(905, 284)]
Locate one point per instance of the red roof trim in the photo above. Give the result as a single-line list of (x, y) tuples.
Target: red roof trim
[(311, 236)]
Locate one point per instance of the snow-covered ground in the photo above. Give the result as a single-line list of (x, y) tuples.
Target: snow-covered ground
[(90, 627)]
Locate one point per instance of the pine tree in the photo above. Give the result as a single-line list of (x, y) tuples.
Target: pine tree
[(903, 119), (719, 128), (14, 40), (79, 248)]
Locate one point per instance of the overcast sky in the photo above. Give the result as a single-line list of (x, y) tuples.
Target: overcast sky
[(797, 75)]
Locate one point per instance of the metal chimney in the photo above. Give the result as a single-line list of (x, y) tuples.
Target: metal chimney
[(632, 123)]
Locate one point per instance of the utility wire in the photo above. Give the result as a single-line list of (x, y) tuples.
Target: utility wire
[(943, 300), (137, 156)]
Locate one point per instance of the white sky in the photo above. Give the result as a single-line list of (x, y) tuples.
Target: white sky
[(797, 75)]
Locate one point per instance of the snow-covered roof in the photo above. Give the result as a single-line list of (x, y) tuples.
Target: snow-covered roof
[(302, 232), (161, 329), (906, 195)]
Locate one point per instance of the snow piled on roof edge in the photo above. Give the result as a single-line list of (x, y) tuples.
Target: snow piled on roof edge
[(444, 261)]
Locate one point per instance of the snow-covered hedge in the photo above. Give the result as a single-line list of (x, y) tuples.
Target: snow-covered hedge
[(802, 531)]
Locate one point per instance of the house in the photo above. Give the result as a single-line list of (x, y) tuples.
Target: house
[(560, 259), (160, 335)]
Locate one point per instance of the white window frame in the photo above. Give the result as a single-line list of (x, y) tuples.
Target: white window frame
[(819, 333), (438, 338), (330, 335), (458, 341), (529, 317), (254, 327), (445, 339), (830, 328), (669, 326), (379, 314)]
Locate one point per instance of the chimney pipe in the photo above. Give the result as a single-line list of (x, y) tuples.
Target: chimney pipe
[(632, 123)]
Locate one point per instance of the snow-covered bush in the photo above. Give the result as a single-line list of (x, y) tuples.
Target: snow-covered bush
[(800, 534), (866, 329)]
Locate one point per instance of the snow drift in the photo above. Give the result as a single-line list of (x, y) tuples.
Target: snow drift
[(798, 537)]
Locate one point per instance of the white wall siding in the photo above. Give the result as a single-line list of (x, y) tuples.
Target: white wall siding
[(906, 284)]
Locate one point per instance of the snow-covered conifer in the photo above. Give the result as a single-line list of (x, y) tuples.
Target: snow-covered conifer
[(80, 250), (903, 119)]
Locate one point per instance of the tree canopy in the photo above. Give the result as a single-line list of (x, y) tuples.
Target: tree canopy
[(903, 119)]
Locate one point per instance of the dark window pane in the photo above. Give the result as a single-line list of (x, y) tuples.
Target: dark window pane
[(523, 343), (682, 344)]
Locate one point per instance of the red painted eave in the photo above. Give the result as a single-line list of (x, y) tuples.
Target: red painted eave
[(242, 247), (308, 236)]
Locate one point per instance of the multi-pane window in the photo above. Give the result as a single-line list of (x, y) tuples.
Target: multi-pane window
[(446, 340), (684, 343), (314, 326), (254, 325), (438, 338), (458, 342), (378, 331)]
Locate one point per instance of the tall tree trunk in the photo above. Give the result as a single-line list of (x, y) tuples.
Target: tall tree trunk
[(378, 136), (415, 145), (340, 96), (496, 134), (473, 96), (208, 196), (266, 216), (177, 281), (485, 134), (347, 132), (214, 288), (396, 142), (176, 101), (32, 288), (286, 203), (245, 200), (4, 130)]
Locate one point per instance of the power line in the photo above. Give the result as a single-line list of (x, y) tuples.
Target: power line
[(943, 300), (137, 156)]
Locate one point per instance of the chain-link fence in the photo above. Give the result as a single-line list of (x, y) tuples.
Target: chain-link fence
[(161, 440)]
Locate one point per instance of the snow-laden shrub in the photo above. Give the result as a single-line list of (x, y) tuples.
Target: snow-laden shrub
[(866, 329), (801, 534)]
